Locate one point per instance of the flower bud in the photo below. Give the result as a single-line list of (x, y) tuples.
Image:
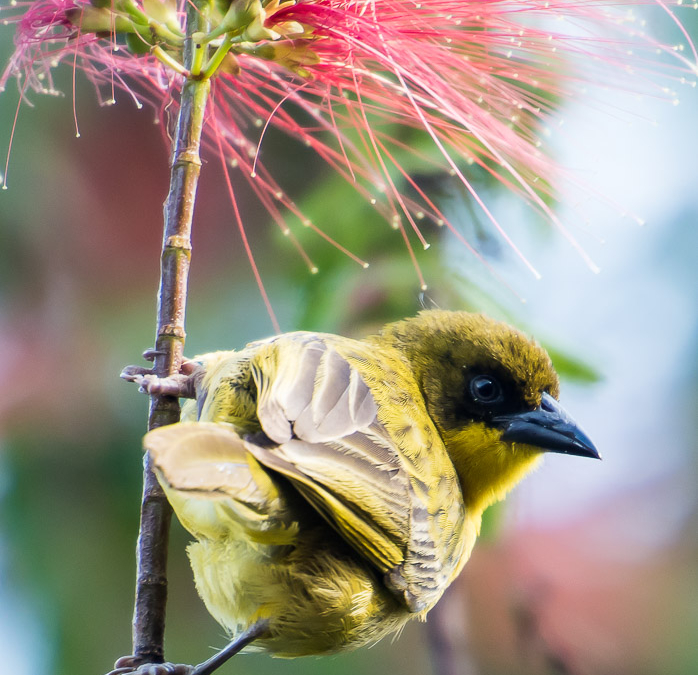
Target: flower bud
[(98, 20)]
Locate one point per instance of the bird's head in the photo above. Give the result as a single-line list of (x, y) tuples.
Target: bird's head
[(492, 393)]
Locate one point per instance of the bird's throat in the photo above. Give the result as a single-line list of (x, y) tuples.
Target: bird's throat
[(487, 467)]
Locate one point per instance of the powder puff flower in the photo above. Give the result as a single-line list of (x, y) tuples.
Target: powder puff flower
[(478, 79)]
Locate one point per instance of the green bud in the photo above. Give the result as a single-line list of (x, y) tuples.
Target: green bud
[(290, 28), (292, 58), (96, 20), (239, 16), (256, 32), (266, 51), (137, 44), (163, 12)]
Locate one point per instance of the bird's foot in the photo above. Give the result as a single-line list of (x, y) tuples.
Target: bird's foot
[(180, 385), (132, 665)]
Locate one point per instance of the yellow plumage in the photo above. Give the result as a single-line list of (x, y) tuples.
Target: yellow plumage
[(335, 487)]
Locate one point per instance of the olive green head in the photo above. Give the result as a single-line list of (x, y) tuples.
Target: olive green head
[(472, 367), (491, 392)]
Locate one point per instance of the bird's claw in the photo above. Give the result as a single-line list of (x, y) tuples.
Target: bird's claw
[(145, 378), (131, 665), (134, 373), (179, 386), (151, 353)]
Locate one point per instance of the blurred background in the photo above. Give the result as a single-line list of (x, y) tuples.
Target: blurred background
[(589, 568)]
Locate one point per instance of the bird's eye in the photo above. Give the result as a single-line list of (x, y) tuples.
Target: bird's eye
[(485, 389)]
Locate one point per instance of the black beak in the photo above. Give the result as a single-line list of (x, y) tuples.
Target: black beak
[(548, 427)]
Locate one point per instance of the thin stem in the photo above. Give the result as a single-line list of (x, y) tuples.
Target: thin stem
[(151, 584), (218, 56), (198, 55), (161, 55), (447, 633)]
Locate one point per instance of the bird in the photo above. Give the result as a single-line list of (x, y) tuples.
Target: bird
[(335, 487)]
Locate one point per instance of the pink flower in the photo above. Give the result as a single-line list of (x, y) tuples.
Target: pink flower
[(478, 79)]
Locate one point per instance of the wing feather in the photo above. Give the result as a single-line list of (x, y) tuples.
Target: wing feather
[(384, 484), (314, 393)]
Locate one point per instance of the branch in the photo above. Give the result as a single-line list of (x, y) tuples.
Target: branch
[(447, 633), (156, 513)]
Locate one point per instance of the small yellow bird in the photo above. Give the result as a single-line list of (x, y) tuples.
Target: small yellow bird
[(335, 487)]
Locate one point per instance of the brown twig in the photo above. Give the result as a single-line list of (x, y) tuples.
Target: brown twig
[(447, 633), (156, 513), (543, 655)]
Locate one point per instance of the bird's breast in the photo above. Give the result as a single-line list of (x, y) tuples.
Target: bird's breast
[(318, 597)]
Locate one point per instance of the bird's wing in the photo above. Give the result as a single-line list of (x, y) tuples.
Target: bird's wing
[(216, 487), (323, 430), (307, 390)]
